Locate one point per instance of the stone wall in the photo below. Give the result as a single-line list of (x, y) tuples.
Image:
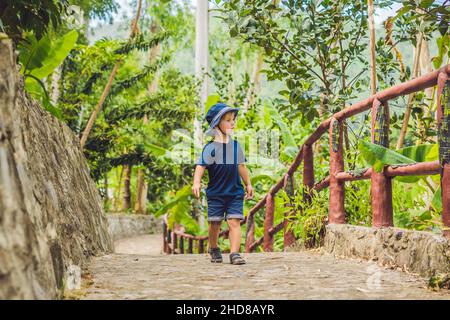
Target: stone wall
[(129, 225), (423, 253), (51, 215)]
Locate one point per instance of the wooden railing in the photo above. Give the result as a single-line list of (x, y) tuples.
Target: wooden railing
[(381, 182)]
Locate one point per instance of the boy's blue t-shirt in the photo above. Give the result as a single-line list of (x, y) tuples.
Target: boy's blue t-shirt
[(222, 160)]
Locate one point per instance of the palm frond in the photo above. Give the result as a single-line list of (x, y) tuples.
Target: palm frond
[(151, 107), (119, 86), (139, 43)]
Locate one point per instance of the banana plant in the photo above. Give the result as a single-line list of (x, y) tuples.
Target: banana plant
[(378, 156), (39, 58), (178, 208)]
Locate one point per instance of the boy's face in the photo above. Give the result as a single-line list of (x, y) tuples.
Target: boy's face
[(228, 122)]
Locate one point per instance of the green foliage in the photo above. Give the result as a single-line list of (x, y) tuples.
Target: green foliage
[(433, 12), (30, 15), (210, 101), (178, 208), (443, 44), (378, 156), (140, 76), (420, 153), (309, 45), (140, 43), (439, 281), (230, 86), (101, 9), (414, 209), (309, 218), (39, 58), (291, 148)]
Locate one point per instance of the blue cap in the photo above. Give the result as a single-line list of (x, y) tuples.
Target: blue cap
[(215, 114)]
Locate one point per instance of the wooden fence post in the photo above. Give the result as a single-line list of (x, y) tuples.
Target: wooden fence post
[(289, 237), (268, 223), (200, 246), (181, 244), (443, 115), (165, 245), (336, 213), (190, 245), (308, 172), (381, 185), (250, 233), (174, 242)]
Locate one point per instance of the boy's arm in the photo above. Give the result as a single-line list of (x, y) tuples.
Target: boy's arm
[(198, 174), (243, 172)]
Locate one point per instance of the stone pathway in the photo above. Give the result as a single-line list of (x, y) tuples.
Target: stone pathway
[(149, 244), (290, 275)]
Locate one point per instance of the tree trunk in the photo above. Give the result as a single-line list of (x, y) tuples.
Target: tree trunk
[(93, 117), (94, 114), (426, 67), (142, 186), (119, 188), (126, 187), (401, 138), (106, 200)]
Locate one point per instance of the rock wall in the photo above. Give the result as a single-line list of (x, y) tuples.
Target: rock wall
[(129, 225), (423, 253), (51, 215)]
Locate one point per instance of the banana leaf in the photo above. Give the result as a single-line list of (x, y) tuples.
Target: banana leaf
[(420, 153), (40, 58), (378, 156), (436, 202), (180, 195), (156, 150)]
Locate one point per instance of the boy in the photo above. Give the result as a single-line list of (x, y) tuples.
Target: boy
[(224, 159)]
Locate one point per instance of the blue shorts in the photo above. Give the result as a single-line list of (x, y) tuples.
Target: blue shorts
[(233, 206)]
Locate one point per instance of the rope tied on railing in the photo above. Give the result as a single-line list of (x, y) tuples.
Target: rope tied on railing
[(444, 120)]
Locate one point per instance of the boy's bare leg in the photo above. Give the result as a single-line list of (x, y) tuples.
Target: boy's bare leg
[(234, 226), (213, 233)]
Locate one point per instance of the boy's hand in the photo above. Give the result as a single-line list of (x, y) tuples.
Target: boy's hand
[(249, 194), (196, 189)]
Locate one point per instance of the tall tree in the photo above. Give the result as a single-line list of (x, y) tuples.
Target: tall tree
[(134, 31), (142, 187), (301, 40), (416, 70)]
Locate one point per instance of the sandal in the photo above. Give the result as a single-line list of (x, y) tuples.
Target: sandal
[(216, 255), (235, 258)]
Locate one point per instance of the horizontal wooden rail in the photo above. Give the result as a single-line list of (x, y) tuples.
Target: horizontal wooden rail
[(417, 169)]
